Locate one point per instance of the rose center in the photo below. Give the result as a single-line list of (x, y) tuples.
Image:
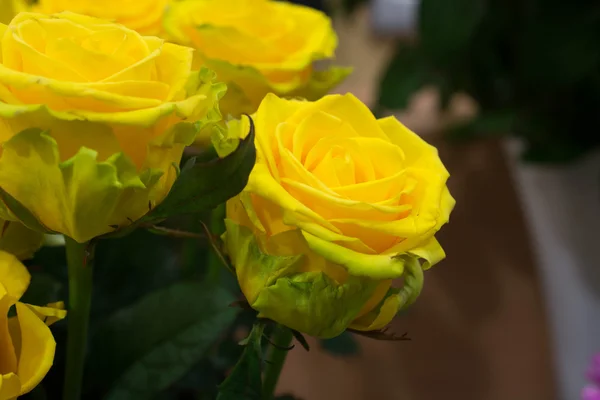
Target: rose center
[(63, 50)]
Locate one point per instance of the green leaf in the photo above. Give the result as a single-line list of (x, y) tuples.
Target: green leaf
[(404, 76), (203, 185), (151, 261), (144, 348), (244, 382), (446, 27), (343, 345)]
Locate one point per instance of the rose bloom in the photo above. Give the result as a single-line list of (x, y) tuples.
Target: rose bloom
[(94, 119), (26, 343), (258, 47), (144, 16), (338, 205)]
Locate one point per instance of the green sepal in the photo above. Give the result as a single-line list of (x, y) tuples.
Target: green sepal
[(279, 288)]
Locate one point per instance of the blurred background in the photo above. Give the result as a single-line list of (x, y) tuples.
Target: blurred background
[(509, 91)]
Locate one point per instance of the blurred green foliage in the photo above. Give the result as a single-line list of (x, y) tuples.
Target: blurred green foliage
[(162, 330), (533, 67)]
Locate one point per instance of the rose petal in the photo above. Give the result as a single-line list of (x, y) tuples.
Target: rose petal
[(10, 386), (271, 112), (37, 348), (349, 109), (8, 357), (13, 276)]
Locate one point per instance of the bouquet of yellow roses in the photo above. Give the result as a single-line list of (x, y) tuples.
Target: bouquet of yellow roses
[(299, 213)]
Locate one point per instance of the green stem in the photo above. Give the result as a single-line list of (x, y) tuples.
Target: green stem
[(281, 337), (79, 261)]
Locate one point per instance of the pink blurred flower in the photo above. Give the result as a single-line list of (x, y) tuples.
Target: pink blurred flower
[(593, 372), (590, 392)]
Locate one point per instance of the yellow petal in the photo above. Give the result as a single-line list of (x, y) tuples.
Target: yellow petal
[(65, 96), (350, 242), (378, 296), (35, 62), (145, 20), (313, 128), (385, 191), (37, 348), (357, 264), (15, 336), (386, 159), (8, 356), (395, 300), (142, 16), (173, 67), (431, 251), (290, 165), (270, 114), (228, 30), (384, 316), (262, 183), (414, 147), (231, 45), (335, 207), (50, 314), (349, 109), (13, 275), (10, 386)]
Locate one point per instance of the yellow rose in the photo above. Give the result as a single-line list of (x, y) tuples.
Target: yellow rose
[(257, 47), (337, 206), (144, 16), (93, 121), (26, 343), (17, 239)]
